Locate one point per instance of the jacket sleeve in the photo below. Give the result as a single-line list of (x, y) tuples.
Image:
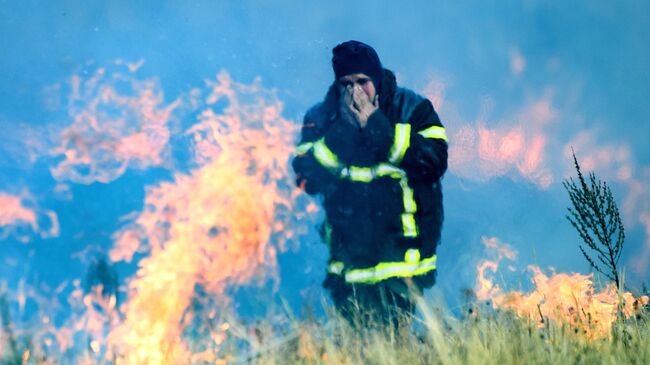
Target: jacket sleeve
[(322, 153), (418, 146)]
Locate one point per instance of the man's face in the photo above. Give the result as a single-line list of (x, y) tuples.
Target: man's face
[(361, 79)]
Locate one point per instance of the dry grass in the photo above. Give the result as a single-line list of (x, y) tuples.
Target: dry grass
[(480, 336), (439, 338)]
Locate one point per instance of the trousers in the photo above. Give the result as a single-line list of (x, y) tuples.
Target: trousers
[(387, 303)]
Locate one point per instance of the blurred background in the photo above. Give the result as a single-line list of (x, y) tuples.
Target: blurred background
[(104, 163)]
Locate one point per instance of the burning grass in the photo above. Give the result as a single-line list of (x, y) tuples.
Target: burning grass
[(479, 335), (483, 337), (197, 237)]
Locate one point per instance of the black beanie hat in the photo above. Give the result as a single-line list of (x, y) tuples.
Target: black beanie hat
[(356, 57)]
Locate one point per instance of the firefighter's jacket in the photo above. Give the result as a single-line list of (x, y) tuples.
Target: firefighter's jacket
[(380, 185)]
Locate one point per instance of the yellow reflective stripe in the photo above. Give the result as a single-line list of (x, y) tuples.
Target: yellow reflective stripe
[(434, 132), (335, 267), (408, 225), (425, 266), (303, 148), (389, 270), (384, 169), (328, 159), (324, 155), (401, 143), (412, 255), (407, 196), (367, 174), (360, 174)]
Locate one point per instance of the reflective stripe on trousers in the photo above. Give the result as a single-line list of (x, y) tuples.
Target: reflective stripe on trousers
[(411, 266)]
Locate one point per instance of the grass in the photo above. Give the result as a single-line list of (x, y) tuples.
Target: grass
[(480, 335)]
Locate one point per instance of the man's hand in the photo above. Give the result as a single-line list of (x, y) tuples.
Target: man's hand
[(345, 106), (362, 106), (356, 106)]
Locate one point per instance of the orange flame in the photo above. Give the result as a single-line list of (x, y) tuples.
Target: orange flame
[(480, 152), (562, 298), (212, 227), (113, 129), (15, 214), (219, 224), (85, 332), (611, 161)]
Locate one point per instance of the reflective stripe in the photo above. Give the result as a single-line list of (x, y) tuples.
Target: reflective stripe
[(329, 160), (360, 174), (325, 156), (407, 195), (412, 266), (367, 174), (303, 148), (384, 169), (335, 267), (401, 143), (412, 255), (408, 225), (434, 132)]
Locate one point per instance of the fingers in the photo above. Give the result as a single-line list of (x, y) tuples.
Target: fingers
[(359, 95), (347, 109), (346, 96), (359, 98)]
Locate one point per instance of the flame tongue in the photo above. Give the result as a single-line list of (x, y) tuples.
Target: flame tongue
[(211, 227), (562, 298)]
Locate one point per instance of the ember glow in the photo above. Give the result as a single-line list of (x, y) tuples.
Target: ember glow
[(562, 298)]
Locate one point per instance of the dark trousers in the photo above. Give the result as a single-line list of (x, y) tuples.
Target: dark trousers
[(387, 303)]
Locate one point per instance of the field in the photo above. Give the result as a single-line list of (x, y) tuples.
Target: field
[(479, 335)]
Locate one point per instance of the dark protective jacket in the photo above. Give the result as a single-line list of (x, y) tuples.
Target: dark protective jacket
[(380, 184)]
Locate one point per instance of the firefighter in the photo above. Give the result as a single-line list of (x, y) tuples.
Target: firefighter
[(375, 153)]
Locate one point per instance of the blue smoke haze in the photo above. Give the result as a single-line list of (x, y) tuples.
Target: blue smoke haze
[(593, 56)]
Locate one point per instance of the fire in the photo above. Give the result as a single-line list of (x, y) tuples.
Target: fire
[(209, 228), (15, 214), (217, 224), (118, 122), (562, 298), (516, 147), (13, 211)]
